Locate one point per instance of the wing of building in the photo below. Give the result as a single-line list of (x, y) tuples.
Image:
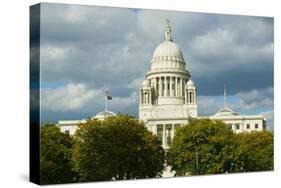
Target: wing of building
[(238, 122), (70, 126)]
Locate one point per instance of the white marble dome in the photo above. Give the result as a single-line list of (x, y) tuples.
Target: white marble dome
[(167, 56), (167, 50)]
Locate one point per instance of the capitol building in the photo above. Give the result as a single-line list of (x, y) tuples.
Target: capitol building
[(168, 98)]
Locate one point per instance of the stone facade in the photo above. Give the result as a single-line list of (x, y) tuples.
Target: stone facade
[(167, 94)]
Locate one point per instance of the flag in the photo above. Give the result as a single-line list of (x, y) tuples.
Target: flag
[(109, 97)]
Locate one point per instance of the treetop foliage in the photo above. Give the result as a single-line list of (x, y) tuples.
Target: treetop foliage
[(119, 147), (205, 146), (55, 156)]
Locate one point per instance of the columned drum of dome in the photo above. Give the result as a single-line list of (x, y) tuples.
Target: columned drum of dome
[(167, 94)]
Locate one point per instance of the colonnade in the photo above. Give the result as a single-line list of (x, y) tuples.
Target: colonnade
[(165, 133), (169, 86)]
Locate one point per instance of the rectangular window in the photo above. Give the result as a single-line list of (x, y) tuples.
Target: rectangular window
[(160, 133), (248, 126), (256, 126), (168, 134), (66, 132), (237, 126)]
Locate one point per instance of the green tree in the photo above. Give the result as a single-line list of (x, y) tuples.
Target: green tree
[(255, 150), (55, 159), (203, 147), (117, 148)]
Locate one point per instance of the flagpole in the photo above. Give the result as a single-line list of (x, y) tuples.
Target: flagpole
[(224, 96), (106, 101)]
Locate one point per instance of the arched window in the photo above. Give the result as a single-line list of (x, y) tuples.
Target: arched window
[(145, 97)]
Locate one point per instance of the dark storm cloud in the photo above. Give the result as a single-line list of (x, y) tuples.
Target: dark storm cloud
[(111, 48), (115, 44), (236, 80)]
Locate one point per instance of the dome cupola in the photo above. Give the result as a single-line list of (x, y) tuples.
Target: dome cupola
[(145, 85), (168, 32), (189, 84)]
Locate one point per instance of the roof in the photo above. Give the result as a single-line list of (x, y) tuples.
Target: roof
[(167, 50), (226, 112), (104, 114)]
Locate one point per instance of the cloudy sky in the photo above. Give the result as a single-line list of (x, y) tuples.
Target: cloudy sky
[(86, 50)]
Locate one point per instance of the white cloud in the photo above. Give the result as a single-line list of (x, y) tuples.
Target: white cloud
[(257, 98), (136, 83), (54, 53), (71, 97), (125, 104), (80, 98), (208, 105), (220, 51)]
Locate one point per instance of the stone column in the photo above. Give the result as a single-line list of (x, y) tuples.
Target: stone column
[(166, 88), (160, 86), (154, 129), (164, 136), (186, 97), (180, 87), (157, 87), (173, 131), (195, 96), (171, 83), (155, 84), (176, 86), (150, 97), (192, 99), (174, 82), (141, 96)]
